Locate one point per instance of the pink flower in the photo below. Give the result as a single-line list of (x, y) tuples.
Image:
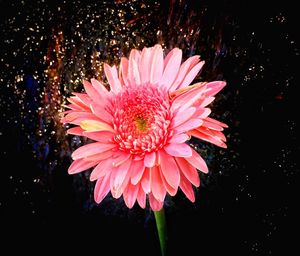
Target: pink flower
[(141, 126)]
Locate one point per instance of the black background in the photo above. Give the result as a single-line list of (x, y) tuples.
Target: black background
[(249, 208)]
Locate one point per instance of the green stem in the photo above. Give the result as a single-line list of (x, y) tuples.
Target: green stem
[(161, 229)]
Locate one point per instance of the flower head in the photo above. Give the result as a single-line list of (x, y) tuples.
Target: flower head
[(141, 125)]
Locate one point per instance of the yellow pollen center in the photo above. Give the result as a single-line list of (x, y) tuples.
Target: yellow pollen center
[(141, 124)]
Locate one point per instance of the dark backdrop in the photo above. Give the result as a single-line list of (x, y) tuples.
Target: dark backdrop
[(245, 206)]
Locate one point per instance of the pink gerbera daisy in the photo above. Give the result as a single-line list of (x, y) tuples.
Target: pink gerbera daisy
[(140, 127)]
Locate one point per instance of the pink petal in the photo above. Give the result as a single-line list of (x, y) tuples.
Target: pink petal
[(155, 204), (100, 112), (204, 101), (202, 113), (133, 67), (141, 197), (182, 115), (178, 149), (145, 65), (188, 125), (157, 186), (197, 161), (120, 158), (76, 102), (130, 195), (137, 168), (145, 181), (90, 90), (91, 125), (100, 88), (189, 171), (112, 78), (218, 134), (169, 169), (187, 188), (100, 156), (123, 72), (91, 149), (118, 175), (75, 131), (72, 107), (68, 111), (101, 189), (157, 159), (101, 169), (172, 191), (100, 136), (187, 99), (203, 135), (212, 126), (214, 87), (179, 138), (149, 159), (216, 122), (157, 64), (81, 165), (80, 99), (184, 69), (78, 117), (133, 72), (178, 92), (138, 157), (135, 55), (83, 98), (171, 67), (170, 55), (191, 75), (118, 191)]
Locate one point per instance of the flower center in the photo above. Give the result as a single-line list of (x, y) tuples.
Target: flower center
[(141, 119), (141, 124)]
